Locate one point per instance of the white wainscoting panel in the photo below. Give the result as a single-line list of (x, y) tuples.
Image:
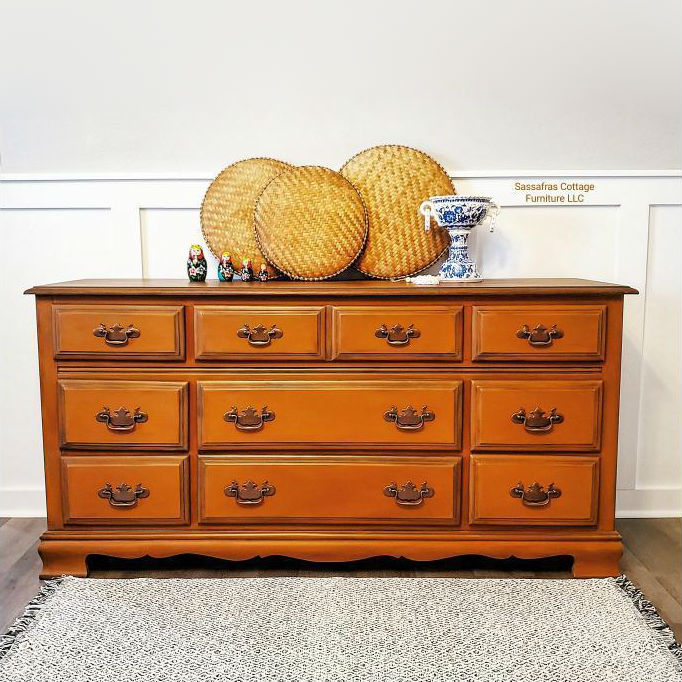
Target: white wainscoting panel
[(627, 230)]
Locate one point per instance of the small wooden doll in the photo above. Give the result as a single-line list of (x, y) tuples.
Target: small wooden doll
[(262, 275), (246, 273), (225, 268), (196, 264)]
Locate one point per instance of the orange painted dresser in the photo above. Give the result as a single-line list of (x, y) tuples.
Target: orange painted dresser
[(330, 421)]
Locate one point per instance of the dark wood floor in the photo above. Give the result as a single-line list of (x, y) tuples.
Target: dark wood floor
[(652, 560)]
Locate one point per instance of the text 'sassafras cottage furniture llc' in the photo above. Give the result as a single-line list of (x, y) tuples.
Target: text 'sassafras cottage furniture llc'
[(330, 421)]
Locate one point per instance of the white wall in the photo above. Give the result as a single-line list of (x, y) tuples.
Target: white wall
[(115, 116), (190, 86)]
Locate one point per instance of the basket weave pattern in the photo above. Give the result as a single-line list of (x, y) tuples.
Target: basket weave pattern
[(310, 223), (227, 209), (393, 181)]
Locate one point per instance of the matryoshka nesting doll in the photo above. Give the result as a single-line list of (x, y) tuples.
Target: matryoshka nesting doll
[(246, 273), (196, 264), (262, 275), (225, 268)]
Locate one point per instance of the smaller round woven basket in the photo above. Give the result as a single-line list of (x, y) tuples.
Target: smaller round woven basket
[(310, 223), (227, 210), (393, 181)]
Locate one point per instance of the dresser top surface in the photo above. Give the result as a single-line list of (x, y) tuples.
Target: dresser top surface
[(181, 287)]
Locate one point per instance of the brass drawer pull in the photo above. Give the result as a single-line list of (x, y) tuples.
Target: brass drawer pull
[(260, 335), (539, 335), (408, 495), (121, 420), (535, 495), (249, 492), (409, 419), (397, 335), (116, 335), (123, 496), (537, 421), (249, 419)]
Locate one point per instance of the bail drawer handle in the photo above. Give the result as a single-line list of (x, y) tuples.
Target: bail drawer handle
[(535, 495), (123, 496), (121, 420), (397, 335), (259, 335), (116, 335), (408, 419), (408, 495), (537, 421), (249, 419), (539, 335), (249, 492)]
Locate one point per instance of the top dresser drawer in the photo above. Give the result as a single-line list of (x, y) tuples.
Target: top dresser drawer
[(119, 331), (538, 333), (385, 332)]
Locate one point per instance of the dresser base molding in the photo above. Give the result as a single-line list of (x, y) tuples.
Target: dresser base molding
[(594, 556)]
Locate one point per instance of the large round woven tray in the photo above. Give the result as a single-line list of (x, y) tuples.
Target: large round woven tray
[(310, 223), (227, 209), (393, 181)]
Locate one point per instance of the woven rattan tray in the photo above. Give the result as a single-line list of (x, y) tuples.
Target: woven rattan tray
[(393, 181), (310, 223), (227, 209)]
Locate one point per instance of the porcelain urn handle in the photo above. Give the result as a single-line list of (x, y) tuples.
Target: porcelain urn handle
[(116, 335)]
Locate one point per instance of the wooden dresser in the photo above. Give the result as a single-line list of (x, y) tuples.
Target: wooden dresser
[(330, 421)]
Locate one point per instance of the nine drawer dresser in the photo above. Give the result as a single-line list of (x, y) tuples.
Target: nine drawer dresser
[(330, 421)]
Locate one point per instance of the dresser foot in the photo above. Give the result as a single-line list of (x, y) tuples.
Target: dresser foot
[(62, 559), (597, 562)]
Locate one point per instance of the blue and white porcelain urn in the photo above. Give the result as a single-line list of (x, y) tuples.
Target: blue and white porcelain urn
[(459, 215)]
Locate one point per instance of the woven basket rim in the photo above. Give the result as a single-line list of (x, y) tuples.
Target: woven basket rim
[(355, 257), (208, 189), (454, 190)]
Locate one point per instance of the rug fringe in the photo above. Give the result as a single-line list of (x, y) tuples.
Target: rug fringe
[(26, 620), (651, 617)]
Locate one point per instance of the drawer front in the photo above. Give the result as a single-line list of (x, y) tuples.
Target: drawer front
[(349, 490), (277, 333), (536, 414), (106, 490), (533, 490), (541, 333), (397, 332), (331, 413), (125, 332), (123, 414)]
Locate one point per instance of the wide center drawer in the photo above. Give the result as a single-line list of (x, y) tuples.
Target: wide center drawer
[(349, 490), (406, 413), (119, 331), (248, 333), (99, 414), (533, 490), (125, 490), (536, 413), (397, 332)]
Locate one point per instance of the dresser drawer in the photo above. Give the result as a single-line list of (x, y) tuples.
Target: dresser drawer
[(124, 490), (122, 414), (119, 331), (248, 333), (397, 332), (536, 414), (541, 333), (533, 490), (348, 490), (406, 413)]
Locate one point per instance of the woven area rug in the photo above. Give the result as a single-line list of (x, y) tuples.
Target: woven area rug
[(340, 629)]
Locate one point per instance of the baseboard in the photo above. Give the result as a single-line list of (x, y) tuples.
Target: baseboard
[(649, 503), (642, 503), (22, 502)]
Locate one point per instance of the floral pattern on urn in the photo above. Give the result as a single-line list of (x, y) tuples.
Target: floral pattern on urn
[(196, 264)]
